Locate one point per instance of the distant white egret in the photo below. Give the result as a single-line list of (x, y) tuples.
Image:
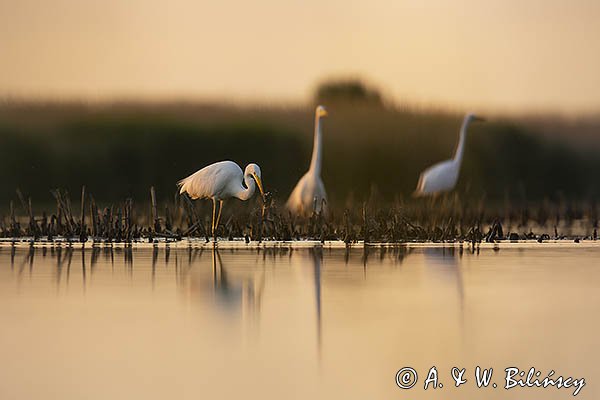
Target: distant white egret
[(220, 181), (310, 188), (442, 176)]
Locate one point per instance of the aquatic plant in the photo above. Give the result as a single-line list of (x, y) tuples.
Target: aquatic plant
[(445, 219)]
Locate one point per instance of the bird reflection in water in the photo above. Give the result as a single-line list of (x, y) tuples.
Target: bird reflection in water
[(236, 291), (317, 257), (232, 292), (444, 263)]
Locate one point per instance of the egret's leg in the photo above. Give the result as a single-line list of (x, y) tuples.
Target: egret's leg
[(219, 214), (213, 218)]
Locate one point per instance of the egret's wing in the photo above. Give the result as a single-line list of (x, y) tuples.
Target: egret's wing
[(200, 184), (294, 202), (302, 199), (210, 181), (437, 178)]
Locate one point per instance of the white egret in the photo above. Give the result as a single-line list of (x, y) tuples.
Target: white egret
[(220, 181), (310, 188), (442, 176)]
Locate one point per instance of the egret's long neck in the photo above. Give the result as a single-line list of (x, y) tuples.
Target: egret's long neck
[(462, 139), (248, 191), (315, 162)]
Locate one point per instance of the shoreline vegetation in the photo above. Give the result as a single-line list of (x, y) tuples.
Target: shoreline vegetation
[(443, 220)]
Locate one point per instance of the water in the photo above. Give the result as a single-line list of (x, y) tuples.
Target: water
[(190, 323)]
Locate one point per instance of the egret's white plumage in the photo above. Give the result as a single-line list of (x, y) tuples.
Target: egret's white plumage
[(442, 177), (310, 189), (220, 181)]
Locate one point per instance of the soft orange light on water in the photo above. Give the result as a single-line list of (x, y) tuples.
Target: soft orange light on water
[(276, 324)]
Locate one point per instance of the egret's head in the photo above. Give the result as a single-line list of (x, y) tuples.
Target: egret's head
[(253, 171), (473, 117), (321, 111)]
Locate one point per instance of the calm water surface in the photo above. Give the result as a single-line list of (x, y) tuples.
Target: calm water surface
[(191, 323)]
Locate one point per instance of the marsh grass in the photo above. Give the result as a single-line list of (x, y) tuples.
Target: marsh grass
[(445, 219)]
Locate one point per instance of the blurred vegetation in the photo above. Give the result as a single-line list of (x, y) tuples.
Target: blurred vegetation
[(119, 150), (347, 91)]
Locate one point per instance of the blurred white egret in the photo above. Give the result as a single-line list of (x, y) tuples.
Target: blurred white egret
[(442, 176), (310, 188), (220, 181)]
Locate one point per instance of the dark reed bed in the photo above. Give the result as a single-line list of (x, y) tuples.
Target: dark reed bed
[(445, 219)]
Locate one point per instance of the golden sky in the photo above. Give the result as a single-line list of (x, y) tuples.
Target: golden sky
[(506, 55)]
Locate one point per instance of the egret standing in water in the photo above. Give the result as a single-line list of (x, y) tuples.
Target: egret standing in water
[(310, 189), (442, 176), (220, 181)]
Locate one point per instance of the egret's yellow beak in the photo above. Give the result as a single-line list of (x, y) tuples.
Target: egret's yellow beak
[(260, 186), (324, 113)]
